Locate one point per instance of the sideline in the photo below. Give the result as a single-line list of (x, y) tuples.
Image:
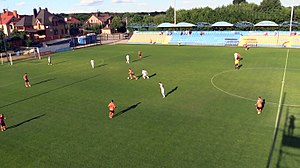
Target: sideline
[(278, 111)]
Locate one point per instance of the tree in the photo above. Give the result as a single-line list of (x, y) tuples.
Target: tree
[(2, 35), (158, 19), (137, 18), (270, 5), (170, 15), (116, 23), (22, 36), (236, 2)]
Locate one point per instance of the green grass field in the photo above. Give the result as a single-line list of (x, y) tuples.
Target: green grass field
[(208, 118)]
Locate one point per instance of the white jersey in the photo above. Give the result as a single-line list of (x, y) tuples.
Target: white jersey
[(161, 85), (127, 59), (144, 73), (235, 56), (162, 89), (93, 63)]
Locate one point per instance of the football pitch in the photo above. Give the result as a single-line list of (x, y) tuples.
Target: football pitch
[(208, 118)]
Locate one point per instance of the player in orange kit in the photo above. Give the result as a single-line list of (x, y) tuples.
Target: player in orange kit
[(2, 123), (259, 105), (111, 106), (26, 80), (140, 54), (131, 74)]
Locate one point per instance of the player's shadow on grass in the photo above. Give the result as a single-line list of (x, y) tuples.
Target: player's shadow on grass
[(149, 76), (101, 65), (44, 81), (26, 121), (173, 90), (152, 75), (60, 62), (127, 109), (49, 91), (263, 104), (140, 59), (35, 62)]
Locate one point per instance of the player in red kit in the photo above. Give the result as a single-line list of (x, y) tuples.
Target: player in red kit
[(26, 80), (111, 106)]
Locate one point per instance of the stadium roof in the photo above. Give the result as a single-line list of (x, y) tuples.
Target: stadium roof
[(266, 24), (164, 25), (184, 24), (222, 24)]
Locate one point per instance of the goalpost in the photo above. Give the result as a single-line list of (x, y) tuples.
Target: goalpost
[(10, 59), (28, 53), (1, 58)]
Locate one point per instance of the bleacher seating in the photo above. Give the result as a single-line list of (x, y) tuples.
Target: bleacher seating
[(206, 38), (271, 39), (219, 38), (148, 38)]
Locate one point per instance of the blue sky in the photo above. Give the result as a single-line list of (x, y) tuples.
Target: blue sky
[(87, 6)]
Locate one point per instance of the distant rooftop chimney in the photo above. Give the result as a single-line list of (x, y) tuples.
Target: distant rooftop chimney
[(34, 12), (15, 14)]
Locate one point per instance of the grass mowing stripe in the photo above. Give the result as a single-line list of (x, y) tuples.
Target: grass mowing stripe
[(62, 70), (278, 111)]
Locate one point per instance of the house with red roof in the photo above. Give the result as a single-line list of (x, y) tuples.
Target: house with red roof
[(72, 20), (73, 25), (43, 25), (8, 20), (99, 19)]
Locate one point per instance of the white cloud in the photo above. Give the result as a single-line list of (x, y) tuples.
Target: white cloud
[(122, 1), (142, 4), (188, 2), (20, 3), (90, 2), (72, 11)]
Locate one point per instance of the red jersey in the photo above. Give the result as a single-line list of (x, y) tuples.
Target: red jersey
[(238, 56), (259, 102), (25, 77), (131, 72), (2, 119), (111, 106)]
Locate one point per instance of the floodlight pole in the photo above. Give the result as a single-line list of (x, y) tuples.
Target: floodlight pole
[(174, 11), (291, 21)]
